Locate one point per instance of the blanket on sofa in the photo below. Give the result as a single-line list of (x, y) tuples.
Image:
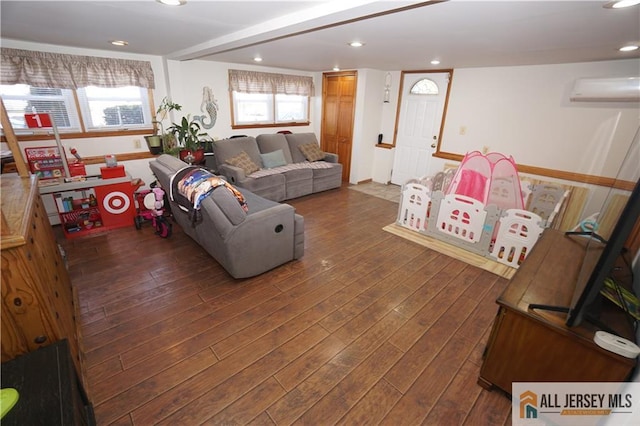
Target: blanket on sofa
[(191, 185), (292, 166)]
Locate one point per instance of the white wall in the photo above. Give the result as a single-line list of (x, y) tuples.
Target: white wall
[(187, 80), (525, 112), (388, 120), (520, 111), (370, 92), (183, 82)]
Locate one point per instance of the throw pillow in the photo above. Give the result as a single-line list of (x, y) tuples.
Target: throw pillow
[(243, 161), (273, 159), (311, 151)]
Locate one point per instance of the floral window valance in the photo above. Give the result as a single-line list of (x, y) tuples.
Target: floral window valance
[(262, 82), (44, 69)]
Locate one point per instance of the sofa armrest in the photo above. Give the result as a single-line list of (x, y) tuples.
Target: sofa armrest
[(261, 228), (264, 240), (330, 157), (232, 173)]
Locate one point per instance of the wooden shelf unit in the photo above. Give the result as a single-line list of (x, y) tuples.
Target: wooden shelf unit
[(114, 204), (535, 345)]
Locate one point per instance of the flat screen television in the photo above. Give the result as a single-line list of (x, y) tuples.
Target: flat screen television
[(602, 254), (600, 259)]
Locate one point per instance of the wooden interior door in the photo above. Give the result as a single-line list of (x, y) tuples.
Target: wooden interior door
[(338, 107)]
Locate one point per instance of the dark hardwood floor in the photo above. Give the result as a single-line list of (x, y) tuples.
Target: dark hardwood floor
[(367, 328)]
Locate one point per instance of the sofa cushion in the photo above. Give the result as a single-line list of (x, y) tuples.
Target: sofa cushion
[(295, 140), (224, 149), (244, 162), (271, 187), (311, 151), (274, 142), (273, 159)]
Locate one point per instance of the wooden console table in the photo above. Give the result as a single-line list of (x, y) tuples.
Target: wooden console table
[(536, 345)]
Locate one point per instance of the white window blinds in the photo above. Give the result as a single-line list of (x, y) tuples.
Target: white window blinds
[(277, 84), (44, 69)]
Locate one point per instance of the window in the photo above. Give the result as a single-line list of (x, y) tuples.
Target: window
[(266, 99), (21, 99), (114, 108), (100, 108), (425, 87), (292, 108), (260, 108), (83, 94)]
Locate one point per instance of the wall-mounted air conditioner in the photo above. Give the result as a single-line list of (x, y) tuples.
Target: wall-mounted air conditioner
[(616, 89)]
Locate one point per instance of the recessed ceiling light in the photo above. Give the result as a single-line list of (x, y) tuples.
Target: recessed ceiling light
[(435, 62), (257, 59), (356, 44), (619, 4), (629, 48), (172, 2), (119, 42)]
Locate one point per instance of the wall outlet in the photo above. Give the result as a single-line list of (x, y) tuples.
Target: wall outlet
[(136, 143), (463, 130), (485, 149)]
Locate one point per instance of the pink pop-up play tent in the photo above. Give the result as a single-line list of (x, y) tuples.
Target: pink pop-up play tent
[(490, 179)]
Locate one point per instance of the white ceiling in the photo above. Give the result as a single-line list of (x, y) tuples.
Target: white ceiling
[(313, 35)]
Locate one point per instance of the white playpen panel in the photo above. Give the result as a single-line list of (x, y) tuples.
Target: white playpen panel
[(518, 233), (461, 217), (414, 211)]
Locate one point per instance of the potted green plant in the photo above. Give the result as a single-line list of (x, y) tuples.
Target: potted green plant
[(188, 134), (165, 141)]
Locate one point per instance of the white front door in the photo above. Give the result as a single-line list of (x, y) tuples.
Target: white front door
[(418, 127)]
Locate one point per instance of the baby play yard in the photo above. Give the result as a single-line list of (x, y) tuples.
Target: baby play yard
[(480, 211)]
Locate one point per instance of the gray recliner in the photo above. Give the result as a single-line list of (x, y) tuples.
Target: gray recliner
[(244, 243)]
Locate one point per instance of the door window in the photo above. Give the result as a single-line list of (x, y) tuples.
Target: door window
[(425, 87)]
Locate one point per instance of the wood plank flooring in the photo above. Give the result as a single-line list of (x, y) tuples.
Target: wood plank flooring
[(367, 328)]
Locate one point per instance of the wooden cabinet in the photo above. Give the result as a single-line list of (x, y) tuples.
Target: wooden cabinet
[(37, 300), (535, 345)]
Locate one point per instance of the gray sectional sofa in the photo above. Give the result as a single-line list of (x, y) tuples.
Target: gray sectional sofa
[(278, 169), (245, 243)]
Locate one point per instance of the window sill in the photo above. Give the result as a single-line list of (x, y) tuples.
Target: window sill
[(94, 134)]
